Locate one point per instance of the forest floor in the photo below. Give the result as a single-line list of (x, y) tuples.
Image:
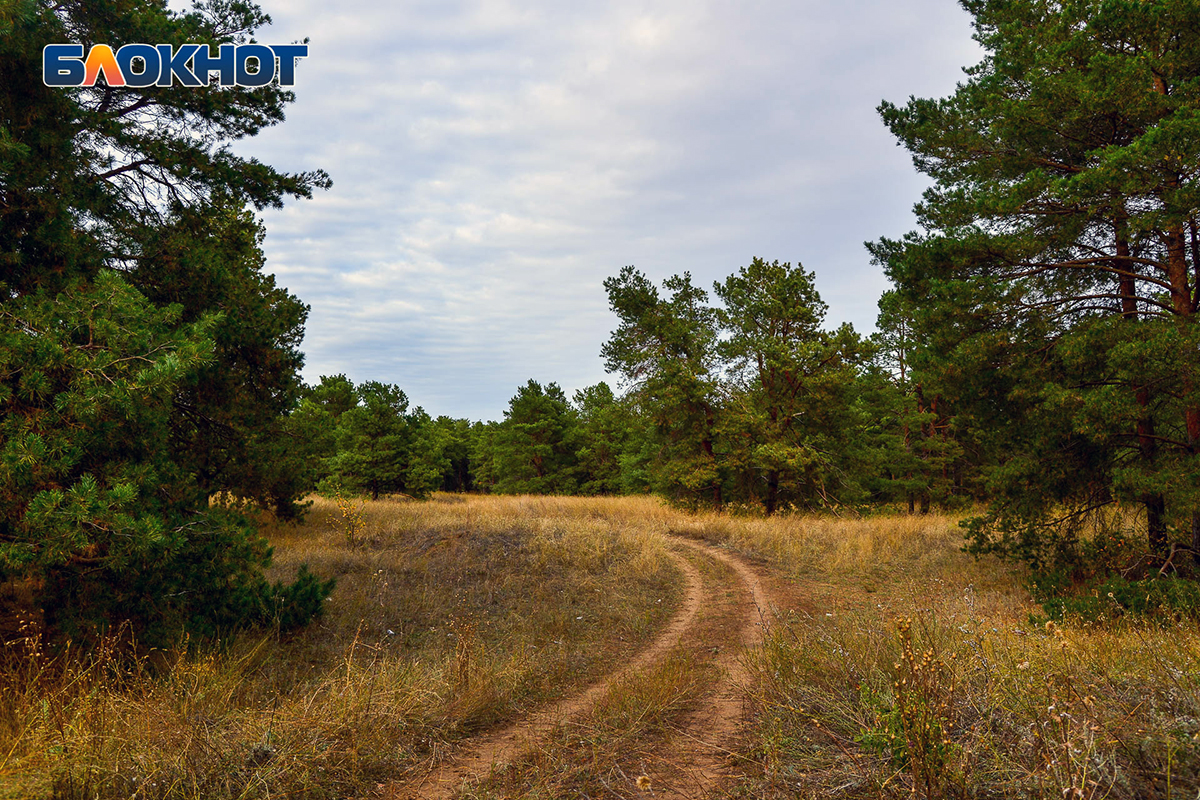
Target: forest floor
[(510, 647)]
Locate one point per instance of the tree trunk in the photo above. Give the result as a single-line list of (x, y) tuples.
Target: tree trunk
[(708, 448), (1156, 532), (1157, 528), (1184, 305), (706, 443), (772, 491), (1196, 538)]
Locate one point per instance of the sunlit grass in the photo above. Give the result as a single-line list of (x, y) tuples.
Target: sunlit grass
[(916, 668)]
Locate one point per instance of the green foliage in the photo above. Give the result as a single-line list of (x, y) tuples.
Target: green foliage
[(91, 174), (750, 402), (666, 350), (607, 430), (291, 606), (1053, 287), (922, 458), (86, 393), (428, 455), (141, 180), (205, 578), (548, 445), (372, 440), (128, 401), (534, 448), (484, 472), (914, 731), (792, 385), (365, 439), (233, 425), (1160, 598), (455, 456), (311, 426), (94, 506)]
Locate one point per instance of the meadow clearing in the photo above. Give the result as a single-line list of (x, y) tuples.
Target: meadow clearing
[(875, 660)]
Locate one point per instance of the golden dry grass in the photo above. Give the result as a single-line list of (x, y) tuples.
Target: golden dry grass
[(457, 613), (916, 669), (448, 616)]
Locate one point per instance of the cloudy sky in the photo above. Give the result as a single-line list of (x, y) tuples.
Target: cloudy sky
[(495, 160)]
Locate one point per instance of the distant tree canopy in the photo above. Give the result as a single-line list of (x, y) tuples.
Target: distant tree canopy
[(148, 359), (534, 449), (364, 439), (1053, 287), (750, 401)]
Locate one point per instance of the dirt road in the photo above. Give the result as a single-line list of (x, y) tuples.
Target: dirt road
[(696, 760)]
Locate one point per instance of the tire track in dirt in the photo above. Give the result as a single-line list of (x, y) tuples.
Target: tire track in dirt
[(481, 753), (695, 764)]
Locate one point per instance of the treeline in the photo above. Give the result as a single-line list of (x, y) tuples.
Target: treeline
[(1040, 351), (747, 401)]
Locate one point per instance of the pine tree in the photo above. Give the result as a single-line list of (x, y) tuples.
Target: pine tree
[(923, 459), (149, 358), (1055, 280), (535, 445), (793, 384), (606, 428), (666, 351), (373, 441)]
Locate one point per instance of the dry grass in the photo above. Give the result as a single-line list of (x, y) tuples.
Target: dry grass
[(906, 668), (610, 752), (883, 547), (448, 616), (602, 754), (916, 670)]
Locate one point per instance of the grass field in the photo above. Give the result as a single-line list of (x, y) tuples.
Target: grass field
[(915, 668), (895, 664), (448, 616)]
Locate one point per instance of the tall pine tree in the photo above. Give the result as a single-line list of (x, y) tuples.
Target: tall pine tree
[(121, 417), (1055, 279), (793, 384), (666, 351)]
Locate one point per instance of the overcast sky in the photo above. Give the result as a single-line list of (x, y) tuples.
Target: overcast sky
[(493, 162)]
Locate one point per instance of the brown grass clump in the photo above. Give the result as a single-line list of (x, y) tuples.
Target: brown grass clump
[(449, 616)]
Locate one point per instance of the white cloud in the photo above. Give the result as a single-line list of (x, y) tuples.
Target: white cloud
[(494, 161)]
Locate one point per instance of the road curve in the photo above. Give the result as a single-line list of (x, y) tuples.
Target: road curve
[(695, 761), (481, 753)]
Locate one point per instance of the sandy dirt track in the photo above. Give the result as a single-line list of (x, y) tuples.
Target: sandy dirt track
[(696, 761)]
